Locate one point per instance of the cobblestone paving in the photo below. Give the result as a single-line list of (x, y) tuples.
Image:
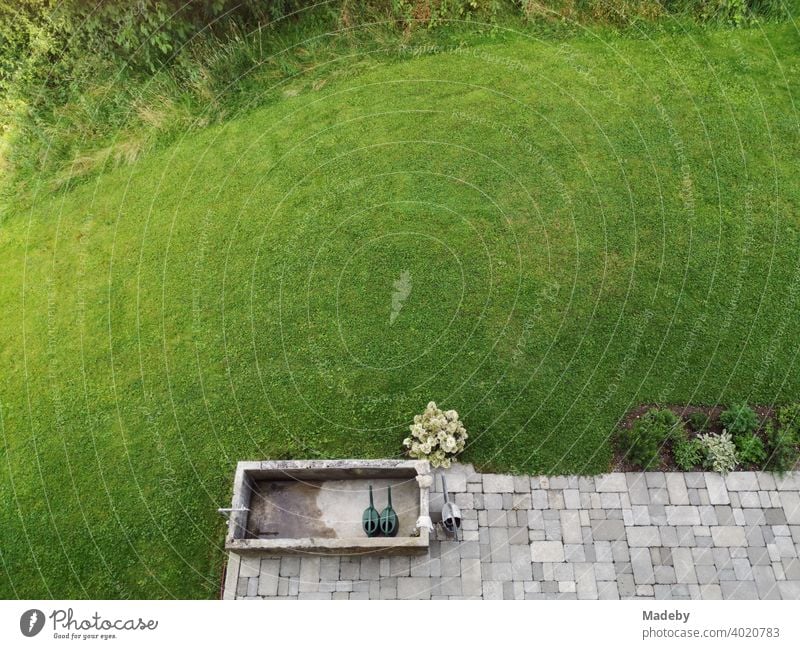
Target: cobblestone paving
[(616, 536)]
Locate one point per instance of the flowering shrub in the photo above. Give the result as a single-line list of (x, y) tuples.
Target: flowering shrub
[(437, 436), (720, 452)]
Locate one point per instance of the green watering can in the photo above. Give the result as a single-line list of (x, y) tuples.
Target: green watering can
[(388, 520), (370, 518)]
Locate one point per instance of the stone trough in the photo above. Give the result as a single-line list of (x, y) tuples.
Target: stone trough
[(315, 506)]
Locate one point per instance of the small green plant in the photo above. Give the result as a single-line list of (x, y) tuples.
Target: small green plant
[(739, 419), (641, 444), (750, 449), (688, 454), (782, 439), (719, 452), (699, 422), (789, 420)]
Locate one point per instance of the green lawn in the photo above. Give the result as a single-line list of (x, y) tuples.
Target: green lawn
[(586, 226)]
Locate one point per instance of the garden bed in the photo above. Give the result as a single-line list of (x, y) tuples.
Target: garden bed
[(766, 415)]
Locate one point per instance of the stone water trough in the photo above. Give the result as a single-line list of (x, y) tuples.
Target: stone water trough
[(315, 506)]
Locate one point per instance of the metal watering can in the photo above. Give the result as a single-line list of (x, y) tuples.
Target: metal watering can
[(451, 514)]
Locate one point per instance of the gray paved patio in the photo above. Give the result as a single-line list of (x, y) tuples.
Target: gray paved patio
[(616, 536)]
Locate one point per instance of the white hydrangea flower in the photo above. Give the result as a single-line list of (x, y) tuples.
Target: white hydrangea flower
[(437, 436)]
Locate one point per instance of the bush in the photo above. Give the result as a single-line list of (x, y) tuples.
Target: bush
[(437, 436), (789, 420), (688, 454), (641, 444), (750, 449), (699, 422), (719, 452), (782, 439), (739, 419)]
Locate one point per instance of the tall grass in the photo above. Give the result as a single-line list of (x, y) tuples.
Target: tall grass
[(69, 113)]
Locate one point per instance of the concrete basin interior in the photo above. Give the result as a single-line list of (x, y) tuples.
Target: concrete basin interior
[(302, 506), (326, 508)]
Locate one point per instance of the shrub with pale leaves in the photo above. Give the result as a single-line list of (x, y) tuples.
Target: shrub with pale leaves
[(720, 452), (437, 436)]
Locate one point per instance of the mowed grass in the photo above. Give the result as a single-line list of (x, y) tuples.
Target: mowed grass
[(585, 226)]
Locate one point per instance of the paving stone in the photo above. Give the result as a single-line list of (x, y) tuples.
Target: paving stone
[(787, 481), (658, 514), (570, 526), (497, 571), (728, 536), (643, 537), (572, 499), (574, 552), (611, 482), (742, 569), (676, 487), (717, 491), (456, 480), (739, 590), (791, 568), (659, 496), (641, 515), (498, 541), (682, 515), (309, 574), (268, 577), (742, 481), (249, 566), (642, 566), (521, 563), (610, 500), (290, 566), (493, 483), (585, 581), (683, 562), (547, 551), (790, 501), (413, 587), (608, 530), (470, 577), (539, 499), (637, 488), (789, 589), (706, 574), (605, 571), (350, 568), (370, 567), (400, 566)]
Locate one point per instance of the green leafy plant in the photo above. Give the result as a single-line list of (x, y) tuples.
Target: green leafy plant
[(782, 440), (789, 420), (739, 419), (641, 444), (750, 449), (699, 422), (688, 454), (719, 452)]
